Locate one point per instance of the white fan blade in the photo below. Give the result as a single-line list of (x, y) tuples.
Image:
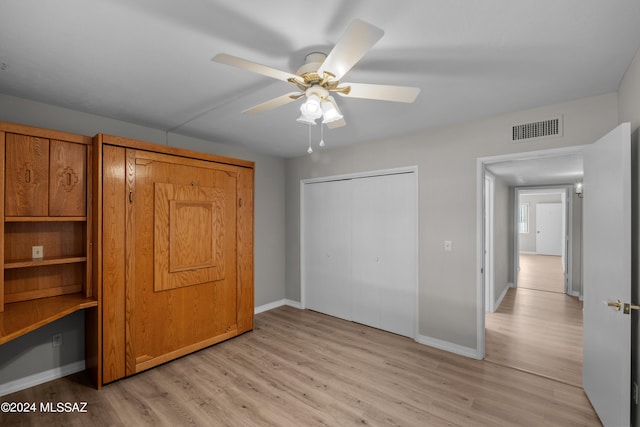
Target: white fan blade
[(255, 67), (275, 102), (381, 92), (351, 47), (336, 124)]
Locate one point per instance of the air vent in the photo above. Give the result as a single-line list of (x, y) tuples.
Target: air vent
[(537, 130)]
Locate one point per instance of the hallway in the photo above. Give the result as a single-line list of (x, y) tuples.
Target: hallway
[(535, 330)]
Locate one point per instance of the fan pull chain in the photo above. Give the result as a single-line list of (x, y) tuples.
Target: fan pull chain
[(310, 150), (321, 135)]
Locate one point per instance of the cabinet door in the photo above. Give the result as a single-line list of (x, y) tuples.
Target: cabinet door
[(27, 172), (67, 183)]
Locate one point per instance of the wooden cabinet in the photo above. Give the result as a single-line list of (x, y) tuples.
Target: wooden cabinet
[(176, 252), (44, 208), (154, 243)]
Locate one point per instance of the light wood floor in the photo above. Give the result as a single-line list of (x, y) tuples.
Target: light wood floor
[(537, 327), (301, 368), (542, 272), (539, 332)]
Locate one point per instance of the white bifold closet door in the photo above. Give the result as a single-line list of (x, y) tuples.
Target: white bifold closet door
[(360, 254)]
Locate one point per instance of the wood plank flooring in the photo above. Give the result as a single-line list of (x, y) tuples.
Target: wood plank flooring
[(537, 331), (302, 368), (542, 272)]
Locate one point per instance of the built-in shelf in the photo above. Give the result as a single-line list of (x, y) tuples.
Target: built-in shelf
[(24, 263), (20, 318), (45, 219)]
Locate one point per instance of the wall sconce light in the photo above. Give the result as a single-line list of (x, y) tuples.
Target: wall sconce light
[(578, 188)]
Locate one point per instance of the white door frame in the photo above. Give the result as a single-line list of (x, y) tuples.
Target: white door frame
[(481, 164), (400, 170), (489, 238)]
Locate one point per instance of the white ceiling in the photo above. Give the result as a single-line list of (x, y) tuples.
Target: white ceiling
[(149, 61), (540, 170)]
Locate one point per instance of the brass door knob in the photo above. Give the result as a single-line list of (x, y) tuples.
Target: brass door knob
[(616, 304)]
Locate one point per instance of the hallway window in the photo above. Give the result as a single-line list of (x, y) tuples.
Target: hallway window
[(523, 218)]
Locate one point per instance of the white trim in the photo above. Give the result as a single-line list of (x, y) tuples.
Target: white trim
[(394, 171), (489, 242), (502, 295), (294, 304), (276, 304), (41, 377), (448, 346)]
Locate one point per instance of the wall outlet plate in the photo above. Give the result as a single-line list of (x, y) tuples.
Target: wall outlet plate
[(37, 252), (56, 340)]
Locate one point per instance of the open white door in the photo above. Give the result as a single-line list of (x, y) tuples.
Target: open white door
[(607, 275)]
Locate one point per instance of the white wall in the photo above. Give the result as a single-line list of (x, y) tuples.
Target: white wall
[(269, 245), (446, 158)]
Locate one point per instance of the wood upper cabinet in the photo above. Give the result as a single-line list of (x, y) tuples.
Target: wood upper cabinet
[(67, 179), (45, 177), (27, 176)]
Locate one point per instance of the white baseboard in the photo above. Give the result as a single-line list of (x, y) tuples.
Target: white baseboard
[(41, 377), (501, 297), (450, 347), (276, 304)]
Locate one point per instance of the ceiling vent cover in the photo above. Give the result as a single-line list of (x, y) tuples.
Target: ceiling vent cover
[(537, 130)]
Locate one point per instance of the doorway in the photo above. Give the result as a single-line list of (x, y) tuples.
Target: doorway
[(528, 315), (544, 238)]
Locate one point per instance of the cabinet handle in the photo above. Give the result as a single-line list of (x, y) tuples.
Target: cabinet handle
[(68, 178), (27, 176)]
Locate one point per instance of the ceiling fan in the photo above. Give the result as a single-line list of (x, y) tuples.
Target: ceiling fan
[(320, 76)]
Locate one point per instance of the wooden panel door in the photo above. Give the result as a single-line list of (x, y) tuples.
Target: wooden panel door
[(27, 176), (181, 287), (67, 179)]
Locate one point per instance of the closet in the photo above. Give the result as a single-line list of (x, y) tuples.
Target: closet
[(176, 259), (359, 240)]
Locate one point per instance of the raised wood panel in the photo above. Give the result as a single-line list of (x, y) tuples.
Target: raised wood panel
[(113, 263), (172, 321), (27, 176), (67, 183), (189, 234), (245, 249)]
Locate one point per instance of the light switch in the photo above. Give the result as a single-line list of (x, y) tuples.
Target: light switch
[(447, 245)]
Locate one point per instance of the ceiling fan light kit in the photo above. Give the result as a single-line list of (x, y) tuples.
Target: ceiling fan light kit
[(320, 75)]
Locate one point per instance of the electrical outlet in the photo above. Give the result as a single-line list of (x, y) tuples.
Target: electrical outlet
[(37, 252), (56, 341), (448, 246)]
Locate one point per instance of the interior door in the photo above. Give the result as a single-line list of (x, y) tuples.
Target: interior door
[(327, 256), (549, 229), (607, 275), (383, 252)]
